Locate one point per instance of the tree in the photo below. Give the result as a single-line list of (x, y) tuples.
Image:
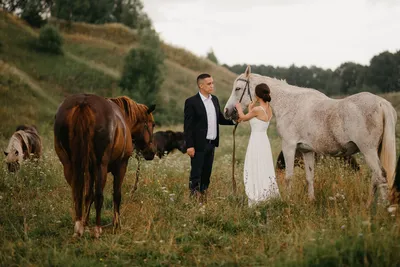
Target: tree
[(351, 75), (142, 74), (32, 11), (211, 56), (384, 72), (91, 11)]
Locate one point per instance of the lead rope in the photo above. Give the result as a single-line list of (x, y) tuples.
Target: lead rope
[(247, 86), (135, 186), (233, 160)]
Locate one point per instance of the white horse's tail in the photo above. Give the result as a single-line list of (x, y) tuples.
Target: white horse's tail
[(388, 146)]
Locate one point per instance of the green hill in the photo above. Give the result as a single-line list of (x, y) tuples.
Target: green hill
[(32, 83)]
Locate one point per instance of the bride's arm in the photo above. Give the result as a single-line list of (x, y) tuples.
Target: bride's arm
[(245, 117)]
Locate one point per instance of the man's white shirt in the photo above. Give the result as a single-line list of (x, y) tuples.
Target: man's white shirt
[(211, 117)]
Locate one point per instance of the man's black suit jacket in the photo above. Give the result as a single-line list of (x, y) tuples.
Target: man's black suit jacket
[(196, 124)]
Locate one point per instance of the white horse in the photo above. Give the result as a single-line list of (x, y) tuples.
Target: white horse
[(311, 122)]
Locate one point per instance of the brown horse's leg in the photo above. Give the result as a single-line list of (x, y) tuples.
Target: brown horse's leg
[(89, 199), (77, 192), (99, 186), (119, 174)]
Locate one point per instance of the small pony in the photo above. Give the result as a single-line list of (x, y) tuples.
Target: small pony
[(24, 144)]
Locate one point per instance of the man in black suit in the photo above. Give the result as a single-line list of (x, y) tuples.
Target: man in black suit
[(202, 117)]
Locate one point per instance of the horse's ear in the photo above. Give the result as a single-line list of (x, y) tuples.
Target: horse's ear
[(151, 109), (248, 71)]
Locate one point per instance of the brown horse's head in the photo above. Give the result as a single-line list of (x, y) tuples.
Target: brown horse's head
[(141, 123), (142, 133)]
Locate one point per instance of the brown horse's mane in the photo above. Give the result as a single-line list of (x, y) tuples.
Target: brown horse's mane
[(134, 111)]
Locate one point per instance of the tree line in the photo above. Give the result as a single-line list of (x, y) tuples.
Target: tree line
[(382, 75), (142, 73), (35, 12)]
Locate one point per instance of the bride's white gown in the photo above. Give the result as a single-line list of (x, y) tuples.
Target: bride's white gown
[(259, 173)]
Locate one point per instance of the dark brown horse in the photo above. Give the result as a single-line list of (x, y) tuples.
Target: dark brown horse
[(93, 136), (395, 190), (299, 162)]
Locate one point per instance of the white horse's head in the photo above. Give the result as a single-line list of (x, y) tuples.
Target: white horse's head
[(243, 92)]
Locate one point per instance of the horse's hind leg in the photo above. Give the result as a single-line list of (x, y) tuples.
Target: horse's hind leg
[(289, 153), (378, 175), (101, 178), (309, 164), (89, 199), (118, 171), (77, 192)]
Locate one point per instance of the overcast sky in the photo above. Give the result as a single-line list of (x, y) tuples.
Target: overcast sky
[(324, 33)]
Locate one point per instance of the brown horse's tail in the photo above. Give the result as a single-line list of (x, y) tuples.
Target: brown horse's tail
[(388, 146), (81, 134)]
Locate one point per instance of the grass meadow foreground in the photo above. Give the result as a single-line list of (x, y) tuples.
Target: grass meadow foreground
[(161, 225)]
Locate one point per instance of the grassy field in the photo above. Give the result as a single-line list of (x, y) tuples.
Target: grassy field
[(161, 225)]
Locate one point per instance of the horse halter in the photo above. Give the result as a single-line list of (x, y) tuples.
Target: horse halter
[(146, 128), (247, 86)]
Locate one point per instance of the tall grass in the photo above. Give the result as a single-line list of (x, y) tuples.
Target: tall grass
[(162, 225)]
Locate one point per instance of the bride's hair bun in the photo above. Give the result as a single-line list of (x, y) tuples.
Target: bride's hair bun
[(263, 92)]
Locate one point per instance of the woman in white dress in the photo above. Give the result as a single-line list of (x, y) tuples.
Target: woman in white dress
[(259, 173)]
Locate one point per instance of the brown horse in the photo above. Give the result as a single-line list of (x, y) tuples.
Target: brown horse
[(93, 136), (24, 144)]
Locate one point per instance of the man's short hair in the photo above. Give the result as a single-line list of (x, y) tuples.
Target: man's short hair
[(202, 76)]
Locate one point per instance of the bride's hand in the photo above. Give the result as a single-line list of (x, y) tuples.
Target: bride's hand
[(251, 105), (239, 107)]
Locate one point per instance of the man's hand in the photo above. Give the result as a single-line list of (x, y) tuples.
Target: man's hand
[(190, 151)]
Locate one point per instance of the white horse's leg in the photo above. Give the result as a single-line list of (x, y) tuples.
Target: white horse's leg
[(309, 164), (289, 154), (378, 175)]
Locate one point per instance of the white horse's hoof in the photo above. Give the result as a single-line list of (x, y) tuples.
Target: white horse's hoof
[(97, 231)]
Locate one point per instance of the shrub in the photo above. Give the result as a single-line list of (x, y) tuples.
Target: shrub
[(50, 40), (142, 76)]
